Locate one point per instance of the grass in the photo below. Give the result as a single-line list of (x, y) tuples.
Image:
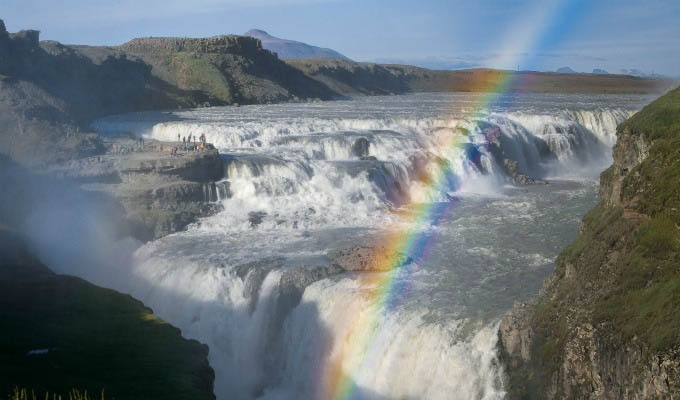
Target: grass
[(73, 394), (97, 339), (646, 300), (659, 119), (197, 73), (655, 183)]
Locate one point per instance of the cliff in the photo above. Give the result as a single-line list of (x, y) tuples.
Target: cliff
[(61, 333), (351, 78), (49, 93), (228, 69), (607, 323)]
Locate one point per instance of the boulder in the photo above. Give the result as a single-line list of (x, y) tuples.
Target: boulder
[(375, 258)]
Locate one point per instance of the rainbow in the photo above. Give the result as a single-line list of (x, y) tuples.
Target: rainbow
[(400, 246)]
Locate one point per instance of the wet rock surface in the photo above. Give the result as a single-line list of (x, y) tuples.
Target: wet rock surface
[(371, 258)]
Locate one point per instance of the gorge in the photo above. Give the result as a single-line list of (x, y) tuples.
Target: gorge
[(367, 247)]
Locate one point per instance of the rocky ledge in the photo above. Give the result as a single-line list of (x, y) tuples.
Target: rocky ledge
[(161, 193), (607, 323)]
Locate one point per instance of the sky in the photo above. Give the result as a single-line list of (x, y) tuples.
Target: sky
[(509, 34)]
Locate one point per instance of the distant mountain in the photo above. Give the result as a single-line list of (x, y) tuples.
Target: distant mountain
[(291, 49), (566, 70), (598, 71)]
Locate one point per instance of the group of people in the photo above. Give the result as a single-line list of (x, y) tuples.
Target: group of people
[(188, 145), (186, 141)]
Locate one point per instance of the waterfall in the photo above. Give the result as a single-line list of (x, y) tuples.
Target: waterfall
[(253, 281)]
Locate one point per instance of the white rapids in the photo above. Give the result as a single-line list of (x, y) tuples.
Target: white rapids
[(301, 179)]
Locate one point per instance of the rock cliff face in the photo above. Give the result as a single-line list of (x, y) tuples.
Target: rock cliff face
[(160, 194), (607, 323), (49, 93), (228, 69)]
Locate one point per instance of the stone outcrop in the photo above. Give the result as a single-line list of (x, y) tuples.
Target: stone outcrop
[(607, 323), (629, 152), (159, 193), (369, 258)]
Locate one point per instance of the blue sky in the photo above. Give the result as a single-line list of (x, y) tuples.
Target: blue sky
[(538, 35)]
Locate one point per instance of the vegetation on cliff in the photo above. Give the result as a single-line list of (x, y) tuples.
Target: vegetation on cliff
[(352, 78), (608, 322), (60, 333)]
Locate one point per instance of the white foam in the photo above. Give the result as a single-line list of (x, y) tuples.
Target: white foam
[(295, 172)]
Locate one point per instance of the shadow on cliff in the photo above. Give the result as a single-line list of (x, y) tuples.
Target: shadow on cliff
[(268, 66), (107, 82), (49, 94)]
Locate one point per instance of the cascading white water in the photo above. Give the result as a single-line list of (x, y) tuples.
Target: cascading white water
[(407, 358), (303, 179)]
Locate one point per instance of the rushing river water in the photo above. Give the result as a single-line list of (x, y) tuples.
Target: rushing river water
[(302, 179)]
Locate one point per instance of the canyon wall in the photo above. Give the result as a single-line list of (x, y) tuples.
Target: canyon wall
[(607, 323)]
